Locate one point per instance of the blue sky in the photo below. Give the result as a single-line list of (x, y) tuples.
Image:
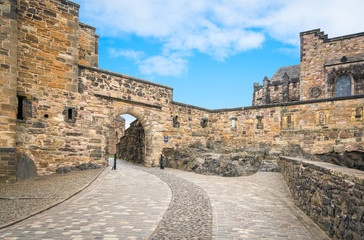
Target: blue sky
[(211, 51)]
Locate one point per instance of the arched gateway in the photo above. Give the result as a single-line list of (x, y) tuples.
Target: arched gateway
[(110, 95)]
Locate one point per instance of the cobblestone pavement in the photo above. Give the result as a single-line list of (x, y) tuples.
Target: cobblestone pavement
[(24, 198), (253, 207), (122, 204), (132, 203), (189, 214)]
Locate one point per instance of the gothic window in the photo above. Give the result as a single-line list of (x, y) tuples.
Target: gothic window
[(276, 88), (343, 86)]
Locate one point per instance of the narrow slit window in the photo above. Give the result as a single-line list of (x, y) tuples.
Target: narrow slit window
[(70, 114), (20, 114), (234, 123), (175, 122), (289, 121), (204, 123)]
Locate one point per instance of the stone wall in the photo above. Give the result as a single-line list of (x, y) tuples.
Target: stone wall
[(117, 130), (132, 145), (67, 106), (317, 127), (47, 82), (88, 46), (331, 195), (8, 78), (320, 55)]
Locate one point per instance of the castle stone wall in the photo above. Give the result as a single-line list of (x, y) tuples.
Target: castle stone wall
[(88, 46), (319, 54), (117, 130), (132, 145), (8, 77), (331, 195), (318, 127), (67, 105)]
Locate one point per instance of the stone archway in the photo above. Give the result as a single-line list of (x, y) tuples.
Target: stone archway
[(146, 117)]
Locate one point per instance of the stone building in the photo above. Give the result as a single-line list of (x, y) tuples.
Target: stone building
[(330, 67), (58, 107), (282, 87)]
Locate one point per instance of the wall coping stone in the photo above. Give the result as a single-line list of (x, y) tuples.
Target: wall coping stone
[(86, 25), (191, 106), (290, 103), (123, 76), (350, 174), (70, 3)]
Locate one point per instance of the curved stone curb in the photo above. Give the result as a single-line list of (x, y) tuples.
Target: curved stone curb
[(53, 205), (189, 215)]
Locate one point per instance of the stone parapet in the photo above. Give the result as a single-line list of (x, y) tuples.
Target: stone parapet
[(331, 195)]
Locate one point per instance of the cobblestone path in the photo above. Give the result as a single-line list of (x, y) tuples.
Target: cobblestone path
[(142, 203), (189, 214), (124, 204), (253, 207)]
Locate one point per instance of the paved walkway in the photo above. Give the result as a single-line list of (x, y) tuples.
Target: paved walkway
[(132, 203), (124, 204)]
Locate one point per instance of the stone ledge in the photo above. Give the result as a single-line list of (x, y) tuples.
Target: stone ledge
[(86, 25), (353, 175), (128, 101), (7, 150)]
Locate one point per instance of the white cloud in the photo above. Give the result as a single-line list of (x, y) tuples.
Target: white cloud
[(218, 28), (163, 65), (128, 53)]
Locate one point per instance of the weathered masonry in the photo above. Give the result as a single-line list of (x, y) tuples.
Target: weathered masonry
[(330, 67), (58, 108)]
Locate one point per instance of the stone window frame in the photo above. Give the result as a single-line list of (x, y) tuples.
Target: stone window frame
[(288, 121), (26, 110), (260, 124), (319, 120), (70, 114), (333, 72), (354, 115)]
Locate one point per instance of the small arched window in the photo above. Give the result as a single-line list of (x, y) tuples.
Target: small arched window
[(343, 86)]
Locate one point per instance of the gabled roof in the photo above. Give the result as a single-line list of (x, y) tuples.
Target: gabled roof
[(292, 72)]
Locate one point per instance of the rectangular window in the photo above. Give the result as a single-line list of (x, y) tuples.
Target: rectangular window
[(70, 114), (20, 114), (204, 122)]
